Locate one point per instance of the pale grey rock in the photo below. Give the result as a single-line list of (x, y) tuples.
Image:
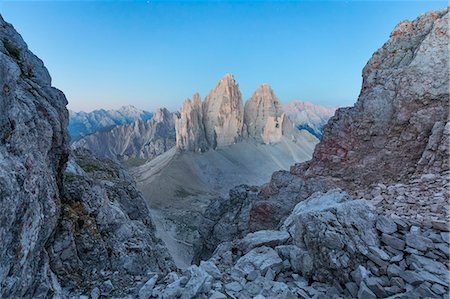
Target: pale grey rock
[(233, 286), (104, 229), (217, 295), (223, 113), (386, 225), (33, 152), (190, 132), (85, 123), (260, 238), (392, 241), (146, 291), (261, 259), (335, 222), (418, 242), (262, 115), (198, 279), (365, 293), (140, 140), (211, 269)]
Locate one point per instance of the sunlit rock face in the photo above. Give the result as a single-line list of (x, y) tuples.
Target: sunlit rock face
[(262, 115), (33, 152), (189, 127), (223, 113)]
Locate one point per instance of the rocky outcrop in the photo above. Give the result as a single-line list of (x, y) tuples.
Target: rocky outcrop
[(86, 231), (404, 96), (309, 117), (189, 127), (139, 140), (105, 237), (33, 152), (262, 114), (223, 113), (85, 123), (331, 246), (389, 149), (223, 120)]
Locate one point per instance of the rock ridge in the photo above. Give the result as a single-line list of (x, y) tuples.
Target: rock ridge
[(222, 120)]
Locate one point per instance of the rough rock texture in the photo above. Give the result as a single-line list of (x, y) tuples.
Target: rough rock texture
[(223, 113), (138, 140), (262, 113), (402, 107), (222, 120), (391, 149), (33, 152), (249, 209), (189, 127), (62, 234), (333, 233), (308, 116), (337, 247), (105, 234), (86, 123)]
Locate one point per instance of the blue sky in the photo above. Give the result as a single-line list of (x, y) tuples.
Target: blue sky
[(151, 54)]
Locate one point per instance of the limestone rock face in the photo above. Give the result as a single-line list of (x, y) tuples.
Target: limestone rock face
[(223, 113), (85, 123), (402, 109), (33, 152), (262, 114), (395, 138), (189, 127), (105, 232), (138, 140)]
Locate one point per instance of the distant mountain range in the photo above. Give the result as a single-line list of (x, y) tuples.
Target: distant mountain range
[(304, 115), (308, 116), (85, 123)]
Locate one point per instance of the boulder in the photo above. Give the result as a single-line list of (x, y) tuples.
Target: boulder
[(260, 238), (261, 259), (335, 231)]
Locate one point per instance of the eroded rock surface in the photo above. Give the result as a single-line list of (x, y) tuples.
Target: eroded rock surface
[(223, 113), (189, 127), (105, 234), (86, 231), (390, 153), (140, 140), (33, 152)]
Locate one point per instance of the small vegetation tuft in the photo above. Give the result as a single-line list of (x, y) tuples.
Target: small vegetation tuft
[(12, 51)]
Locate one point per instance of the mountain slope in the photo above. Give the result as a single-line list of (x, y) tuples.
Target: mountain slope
[(62, 234), (178, 185), (308, 116), (86, 123), (139, 140)]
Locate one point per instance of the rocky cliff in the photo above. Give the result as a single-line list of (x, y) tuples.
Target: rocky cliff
[(139, 140), (104, 241), (262, 113), (224, 120), (391, 152), (33, 152), (403, 106), (189, 127), (223, 113), (85, 123), (62, 235)]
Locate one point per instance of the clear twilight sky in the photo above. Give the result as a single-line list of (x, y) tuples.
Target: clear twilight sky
[(105, 54)]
